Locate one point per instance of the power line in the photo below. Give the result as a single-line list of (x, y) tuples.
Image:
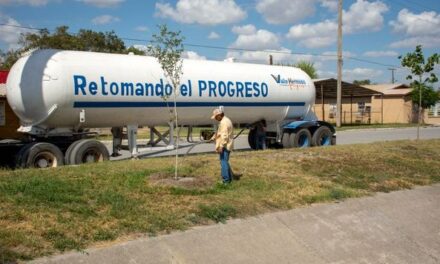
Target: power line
[(17, 26), (238, 49)]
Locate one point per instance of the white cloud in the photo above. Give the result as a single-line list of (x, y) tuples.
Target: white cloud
[(331, 5), (248, 29), (205, 12), (378, 54), (349, 75), (141, 28), (10, 34), (326, 74), (281, 55), (425, 41), (213, 35), (321, 34), (192, 55), (285, 11), (104, 20), (362, 16), (423, 28), (26, 2), (361, 74), (259, 40), (102, 3)]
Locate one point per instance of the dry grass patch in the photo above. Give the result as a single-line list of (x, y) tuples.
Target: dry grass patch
[(47, 211)]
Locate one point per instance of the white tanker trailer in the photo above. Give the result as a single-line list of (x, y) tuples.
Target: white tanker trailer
[(60, 95)]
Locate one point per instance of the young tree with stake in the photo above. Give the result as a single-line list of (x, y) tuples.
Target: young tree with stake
[(167, 47), (422, 77)]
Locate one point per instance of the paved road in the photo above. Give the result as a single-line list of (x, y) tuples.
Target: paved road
[(344, 137), (398, 227)]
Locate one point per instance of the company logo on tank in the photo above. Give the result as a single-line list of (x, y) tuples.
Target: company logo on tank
[(291, 82), (205, 88)]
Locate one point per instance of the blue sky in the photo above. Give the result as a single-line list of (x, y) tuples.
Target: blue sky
[(376, 31)]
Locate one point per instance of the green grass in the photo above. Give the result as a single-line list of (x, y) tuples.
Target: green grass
[(47, 211)]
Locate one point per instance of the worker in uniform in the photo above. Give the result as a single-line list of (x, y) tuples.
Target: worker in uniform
[(224, 141)]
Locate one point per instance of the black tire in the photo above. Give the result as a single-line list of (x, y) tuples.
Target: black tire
[(252, 138), (301, 138), (286, 140), (68, 153), (323, 136), (88, 151), (39, 155)]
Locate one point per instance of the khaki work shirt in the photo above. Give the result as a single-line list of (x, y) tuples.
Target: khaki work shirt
[(224, 136)]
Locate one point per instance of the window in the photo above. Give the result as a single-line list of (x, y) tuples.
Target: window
[(332, 112), (435, 110), (361, 107)]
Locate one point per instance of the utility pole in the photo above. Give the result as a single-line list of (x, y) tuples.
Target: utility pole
[(392, 74), (339, 88)]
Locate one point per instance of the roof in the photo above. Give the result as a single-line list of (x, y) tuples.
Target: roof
[(329, 89), (391, 88)]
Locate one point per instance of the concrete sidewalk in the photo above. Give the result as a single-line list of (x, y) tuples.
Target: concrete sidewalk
[(398, 227)]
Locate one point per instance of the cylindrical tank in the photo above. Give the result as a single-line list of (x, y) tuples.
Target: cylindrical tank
[(53, 88)]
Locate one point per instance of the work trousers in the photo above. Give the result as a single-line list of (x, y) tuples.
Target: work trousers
[(225, 167)]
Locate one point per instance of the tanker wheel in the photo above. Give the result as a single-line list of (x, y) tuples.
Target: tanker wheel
[(39, 155), (287, 143), (88, 151), (252, 138), (323, 136), (68, 153), (301, 139)]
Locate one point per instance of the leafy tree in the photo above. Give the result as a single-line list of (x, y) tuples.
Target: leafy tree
[(428, 98), (8, 59), (167, 47), (306, 66), (135, 51), (422, 77), (362, 82), (84, 40)]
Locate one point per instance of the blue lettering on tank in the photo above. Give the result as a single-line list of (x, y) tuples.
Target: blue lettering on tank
[(264, 90), (256, 87), (202, 87), (184, 90), (231, 89), (114, 88), (206, 88), (103, 84), (248, 86), (80, 83), (168, 89), (212, 86), (222, 89), (239, 86)]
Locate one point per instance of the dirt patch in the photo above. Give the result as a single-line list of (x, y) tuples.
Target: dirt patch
[(167, 179)]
